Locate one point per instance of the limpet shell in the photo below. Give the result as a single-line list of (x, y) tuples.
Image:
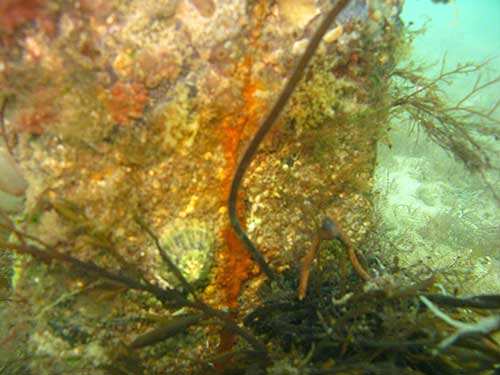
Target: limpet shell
[(190, 245)]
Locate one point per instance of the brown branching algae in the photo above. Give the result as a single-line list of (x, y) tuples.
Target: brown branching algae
[(187, 187)]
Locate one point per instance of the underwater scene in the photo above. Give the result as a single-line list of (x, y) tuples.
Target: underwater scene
[(249, 187)]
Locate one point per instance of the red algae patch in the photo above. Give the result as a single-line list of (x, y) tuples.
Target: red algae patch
[(15, 13), (126, 101)]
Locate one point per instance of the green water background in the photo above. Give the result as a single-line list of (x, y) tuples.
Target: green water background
[(431, 207), (464, 31)]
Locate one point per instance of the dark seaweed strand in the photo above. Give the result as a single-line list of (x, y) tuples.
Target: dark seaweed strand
[(266, 125), (482, 301), (163, 295), (164, 256)]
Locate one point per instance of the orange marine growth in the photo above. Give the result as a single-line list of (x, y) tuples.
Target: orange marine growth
[(237, 265)]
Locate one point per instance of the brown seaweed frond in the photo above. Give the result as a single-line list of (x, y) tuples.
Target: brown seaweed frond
[(383, 329), (450, 125), (457, 126), (169, 297)]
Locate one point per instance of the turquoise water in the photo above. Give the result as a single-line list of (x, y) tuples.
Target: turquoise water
[(431, 205), (464, 31)]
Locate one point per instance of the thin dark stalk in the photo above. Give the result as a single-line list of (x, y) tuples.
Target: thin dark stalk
[(230, 325), (490, 186), (164, 295), (164, 256), (482, 301), (20, 235), (476, 88), (493, 109), (266, 125)]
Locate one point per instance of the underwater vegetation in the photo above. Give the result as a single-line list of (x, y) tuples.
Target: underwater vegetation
[(458, 127), (147, 245)]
